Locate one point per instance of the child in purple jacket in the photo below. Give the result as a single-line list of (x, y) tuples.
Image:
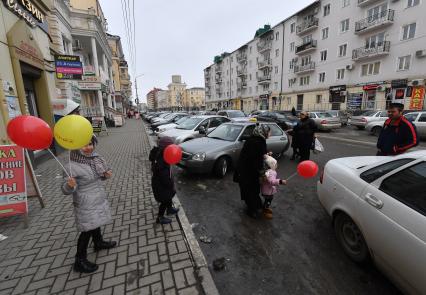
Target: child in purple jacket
[(269, 185)]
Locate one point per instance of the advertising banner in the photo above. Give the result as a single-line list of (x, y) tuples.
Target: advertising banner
[(13, 193), (417, 98), (68, 67)]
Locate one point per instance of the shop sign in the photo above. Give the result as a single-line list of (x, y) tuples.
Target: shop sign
[(89, 71), (370, 87), (26, 10), (401, 83), (264, 96), (89, 85), (335, 90), (97, 124), (13, 192), (68, 67), (417, 98)]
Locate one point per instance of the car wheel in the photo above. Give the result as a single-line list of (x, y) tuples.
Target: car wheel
[(221, 167), (351, 238), (376, 131), (360, 127)]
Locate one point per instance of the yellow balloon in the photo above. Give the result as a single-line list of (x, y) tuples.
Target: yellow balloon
[(73, 132)]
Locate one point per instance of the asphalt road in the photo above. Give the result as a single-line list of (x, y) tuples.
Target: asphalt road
[(296, 252)]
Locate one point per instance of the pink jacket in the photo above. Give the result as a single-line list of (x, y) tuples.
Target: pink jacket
[(269, 186)]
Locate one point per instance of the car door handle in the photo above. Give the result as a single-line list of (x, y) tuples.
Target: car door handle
[(373, 201)]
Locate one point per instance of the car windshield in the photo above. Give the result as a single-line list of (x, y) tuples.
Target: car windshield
[(163, 115), (189, 124), (368, 113), (228, 132), (236, 114), (181, 120), (333, 113), (324, 115)]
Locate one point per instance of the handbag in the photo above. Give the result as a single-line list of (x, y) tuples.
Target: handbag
[(317, 146)]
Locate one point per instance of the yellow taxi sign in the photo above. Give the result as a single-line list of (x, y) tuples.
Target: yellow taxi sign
[(253, 120)]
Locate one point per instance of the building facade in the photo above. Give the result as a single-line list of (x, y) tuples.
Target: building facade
[(333, 54), (151, 98), (177, 93), (195, 99), (163, 100)]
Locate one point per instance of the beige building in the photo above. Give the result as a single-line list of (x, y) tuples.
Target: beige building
[(195, 98), (177, 92), (163, 99)]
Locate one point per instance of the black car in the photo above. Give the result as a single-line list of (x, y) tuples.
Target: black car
[(171, 119), (285, 122)]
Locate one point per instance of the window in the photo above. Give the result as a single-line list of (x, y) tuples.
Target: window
[(277, 36), (377, 12), (277, 52), (321, 78), (325, 33), (378, 171), (305, 60), (408, 31), (346, 3), (404, 63), (412, 3), (250, 77), (291, 66), (408, 186), (276, 86), (412, 117), (304, 81), (292, 27), (340, 74), (275, 130), (375, 41), (250, 49), (324, 55), (327, 9), (342, 50), (344, 25), (276, 69), (291, 46), (307, 39), (319, 98), (422, 118), (290, 83), (370, 69)]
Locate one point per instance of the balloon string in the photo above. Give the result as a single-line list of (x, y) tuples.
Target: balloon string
[(291, 176), (69, 162), (57, 160)]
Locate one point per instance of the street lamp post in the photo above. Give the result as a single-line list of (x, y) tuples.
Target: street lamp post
[(136, 88)]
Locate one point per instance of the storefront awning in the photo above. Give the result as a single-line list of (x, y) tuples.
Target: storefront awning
[(63, 107)]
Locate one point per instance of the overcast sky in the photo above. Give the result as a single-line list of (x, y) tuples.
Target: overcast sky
[(182, 37)]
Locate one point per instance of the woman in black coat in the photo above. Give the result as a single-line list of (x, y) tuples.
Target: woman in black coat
[(304, 136), (249, 167), (162, 181)]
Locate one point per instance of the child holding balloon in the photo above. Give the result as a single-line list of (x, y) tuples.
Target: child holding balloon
[(269, 185), (91, 208)]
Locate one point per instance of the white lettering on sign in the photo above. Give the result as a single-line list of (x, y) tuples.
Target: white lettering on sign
[(5, 188), (27, 10), (8, 174)]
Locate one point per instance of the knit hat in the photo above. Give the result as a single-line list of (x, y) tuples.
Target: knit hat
[(271, 162), (165, 142)]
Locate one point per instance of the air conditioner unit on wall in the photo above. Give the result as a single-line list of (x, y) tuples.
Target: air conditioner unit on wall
[(418, 82), (350, 67), (421, 53)]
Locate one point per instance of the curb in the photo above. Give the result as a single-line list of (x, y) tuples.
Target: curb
[(201, 265)]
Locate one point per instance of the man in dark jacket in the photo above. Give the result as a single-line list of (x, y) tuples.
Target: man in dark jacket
[(162, 181), (304, 136), (398, 134)]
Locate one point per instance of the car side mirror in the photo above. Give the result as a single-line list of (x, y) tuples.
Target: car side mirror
[(202, 130)]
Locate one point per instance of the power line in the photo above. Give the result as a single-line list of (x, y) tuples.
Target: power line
[(126, 30), (134, 39)]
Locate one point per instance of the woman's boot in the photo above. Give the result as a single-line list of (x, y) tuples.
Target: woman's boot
[(99, 242), (81, 263)]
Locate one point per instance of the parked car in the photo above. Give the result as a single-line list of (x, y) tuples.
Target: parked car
[(418, 119), (325, 121), (196, 126), (257, 113), (362, 120), (221, 148), (160, 118), (283, 121), (173, 118), (157, 115), (378, 209), (376, 127), (234, 115), (169, 126), (341, 115)]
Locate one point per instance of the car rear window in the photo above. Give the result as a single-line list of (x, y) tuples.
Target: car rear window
[(378, 171)]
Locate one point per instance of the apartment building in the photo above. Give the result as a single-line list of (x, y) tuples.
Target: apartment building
[(333, 54), (177, 92), (195, 98), (151, 98), (163, 99)]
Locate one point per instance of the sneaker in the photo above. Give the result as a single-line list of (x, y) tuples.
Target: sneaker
[(267, 213), (172, 211), (163, 220)]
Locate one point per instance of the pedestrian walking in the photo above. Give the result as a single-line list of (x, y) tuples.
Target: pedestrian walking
[(162, 181), (269, 185), (249, 169), (304, 136), (398, 134), (91, 208)]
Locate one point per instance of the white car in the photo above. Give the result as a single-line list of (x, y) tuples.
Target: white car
[(378, 208)]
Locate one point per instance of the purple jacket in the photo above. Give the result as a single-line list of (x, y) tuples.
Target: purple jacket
[(269, 186)]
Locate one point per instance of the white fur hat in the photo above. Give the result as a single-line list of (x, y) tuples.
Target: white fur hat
[(271, 162)]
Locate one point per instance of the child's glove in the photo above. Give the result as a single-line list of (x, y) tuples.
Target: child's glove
[(283, 182)]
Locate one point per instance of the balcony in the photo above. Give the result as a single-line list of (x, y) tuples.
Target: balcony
[(365, 53), (263, 46), (363, 3), (299, 69), (379, 20), (264, 64), (242, 85), (264, 79), (218, 69), (241, 57), (219, 80), (307, 26), (306, 47), (242, 72)]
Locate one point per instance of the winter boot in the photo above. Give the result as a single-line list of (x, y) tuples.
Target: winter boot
[(84, 266), (163, 220), (267, 213), (102, 245), (172, 211)]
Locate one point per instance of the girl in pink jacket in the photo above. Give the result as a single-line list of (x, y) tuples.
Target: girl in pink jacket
[(269, 185)]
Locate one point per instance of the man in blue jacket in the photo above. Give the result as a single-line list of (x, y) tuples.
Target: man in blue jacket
[(398, 134)]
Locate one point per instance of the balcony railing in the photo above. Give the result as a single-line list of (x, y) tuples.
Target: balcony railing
[(219, 80), (241, 72), (264, 45), (383, 18), (264, 79), (363, 52), (362, 3), (264, 64), (307, 26), (308, 46), (299, 69), (242, 84), (241, 57)]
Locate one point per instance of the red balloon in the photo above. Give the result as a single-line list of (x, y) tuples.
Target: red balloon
[(173, 154), (30, 132), (307, 169)]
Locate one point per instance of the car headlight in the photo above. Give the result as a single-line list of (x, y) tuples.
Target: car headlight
[(199, 157), (160, 130)]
